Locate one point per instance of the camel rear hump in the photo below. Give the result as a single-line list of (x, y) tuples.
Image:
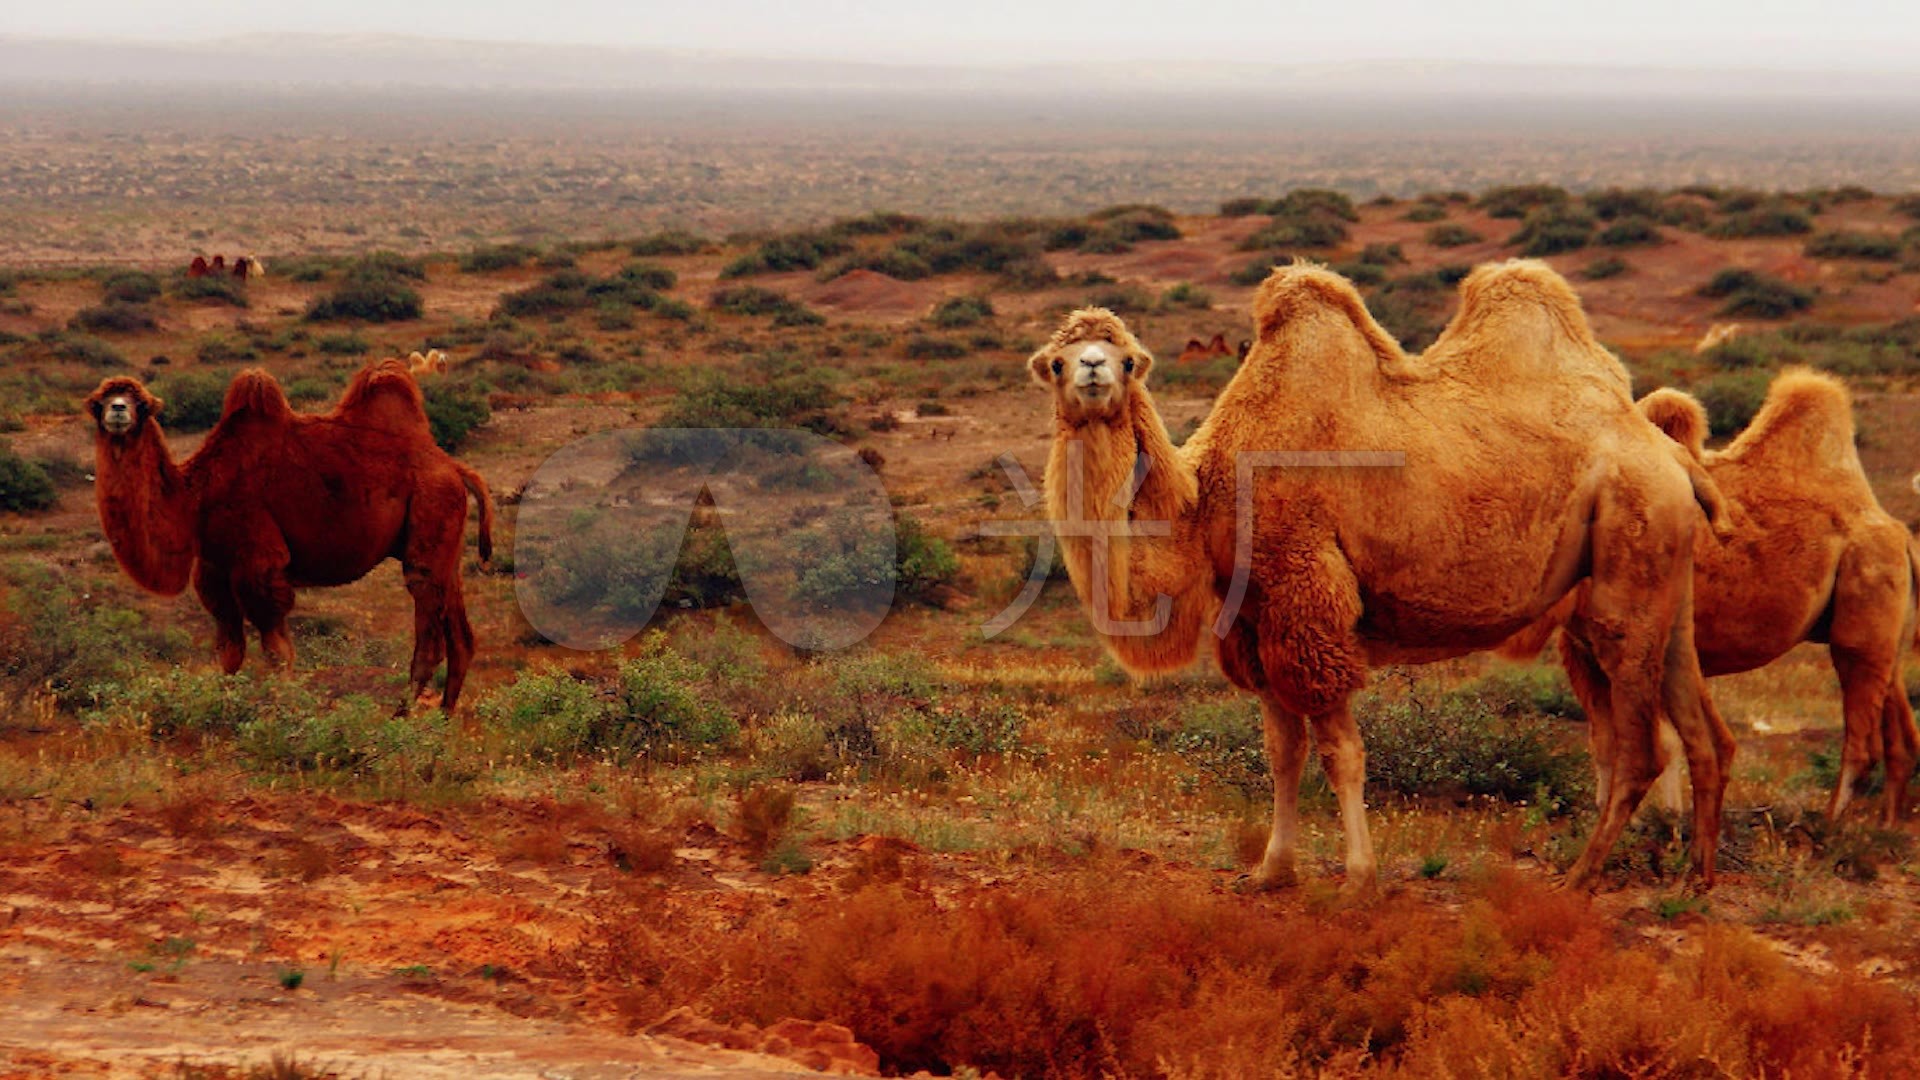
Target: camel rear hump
[(1516, 311), (1807, 418)]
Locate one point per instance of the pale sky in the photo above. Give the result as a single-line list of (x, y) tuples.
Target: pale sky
[(1843, 34)]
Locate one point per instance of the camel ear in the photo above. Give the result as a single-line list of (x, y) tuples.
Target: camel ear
[(1040, 366), (152, 404), (1138, 364)]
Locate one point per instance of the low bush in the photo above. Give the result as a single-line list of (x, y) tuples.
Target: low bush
[(193, 399), (1553, 229), (70, 639), (669, 242), (498, 257), (754, 300), (24, 485), (788, 251), (1423, 212), (217, 287), (1186, 295), (130, 287), (1603, 268), (1755, 295), (370, 295), (1517, 201), (1629, 232), (1776, 218), (114, 317), (1881, 247), (454, 410), (1616, 203), (649, 276), (959, 311), (1452, 235), (1731, 399)]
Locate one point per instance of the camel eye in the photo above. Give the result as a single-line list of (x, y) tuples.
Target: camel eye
[(1129, 365), (1057, 365)]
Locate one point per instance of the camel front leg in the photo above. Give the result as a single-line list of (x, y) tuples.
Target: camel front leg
[(1344, 761), (1865, 681), (214, 587), (1285, 734)]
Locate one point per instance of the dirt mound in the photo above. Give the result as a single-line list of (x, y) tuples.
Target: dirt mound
[(873, 293), (825, 1047)]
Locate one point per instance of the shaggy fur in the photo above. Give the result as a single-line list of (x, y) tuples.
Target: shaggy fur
[(1526, 471), (1813, 557), (276, 500)]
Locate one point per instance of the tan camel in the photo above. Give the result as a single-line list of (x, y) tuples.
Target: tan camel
[(1813, 557), (276, 500), (1525, 471), (433, 363)]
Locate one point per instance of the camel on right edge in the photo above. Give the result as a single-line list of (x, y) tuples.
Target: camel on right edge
[(1347, 505), (1813, 557)]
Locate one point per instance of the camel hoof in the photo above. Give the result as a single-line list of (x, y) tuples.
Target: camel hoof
[(1266, 881)]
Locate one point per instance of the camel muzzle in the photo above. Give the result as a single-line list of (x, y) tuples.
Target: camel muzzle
[(117, 418)]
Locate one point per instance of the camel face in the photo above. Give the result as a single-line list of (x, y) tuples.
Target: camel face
[(120, 406), (1090, 365)]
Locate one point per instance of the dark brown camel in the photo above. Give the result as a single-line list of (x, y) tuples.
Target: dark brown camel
[(276, 500)]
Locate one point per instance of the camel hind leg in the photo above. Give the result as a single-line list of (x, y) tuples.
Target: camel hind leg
[(458, 635), (431, 561), (1902, 742), (1708, 745)]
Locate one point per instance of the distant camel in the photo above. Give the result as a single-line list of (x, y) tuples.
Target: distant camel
[(1197, 353), (246, 266), (218, 265), (1718, 334), (433, 363), (276, 500), (197, 268), (1522, 470)]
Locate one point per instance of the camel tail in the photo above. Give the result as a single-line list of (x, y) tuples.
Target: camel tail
[(1527, 643), (1707, 493), (1680, 415), (255, 393), (477, 485)]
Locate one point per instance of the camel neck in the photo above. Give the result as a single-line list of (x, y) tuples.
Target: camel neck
[(146, 510)]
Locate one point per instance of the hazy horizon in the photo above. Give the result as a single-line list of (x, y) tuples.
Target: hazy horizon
[(1843, 35)]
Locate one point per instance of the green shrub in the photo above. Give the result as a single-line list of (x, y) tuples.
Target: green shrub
[(705, 574), (842, 565), (1466, 742), (669, 242), (1880, 247), (1629, 232), (1517, 201), (1423, 212), (959, 311), (1309, 202), (220, 287), (1122, 299), (220, 347), (1118, 232), (347, 344), (1254, 272), (69, 639), (1731, 400), (130, 287), (1361, 273), (663, 710), (1755, 295), (1776, 218), (558, 293), (499, 257), (372, 297), (754, 300), (454, 410), (1615, 203), (1553, 229), (114, 317), (1452, 235), (1188, 295), (789, 251), (379, 264), (1289, 232), (546, 715), (193, 399), (1411, 307), (1603, 268), (1245, 206), (649, 276), (1382, 254), (24, 486), (927, 347)]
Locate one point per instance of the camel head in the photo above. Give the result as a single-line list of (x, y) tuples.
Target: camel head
[(121, 406), (1092, 364)]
